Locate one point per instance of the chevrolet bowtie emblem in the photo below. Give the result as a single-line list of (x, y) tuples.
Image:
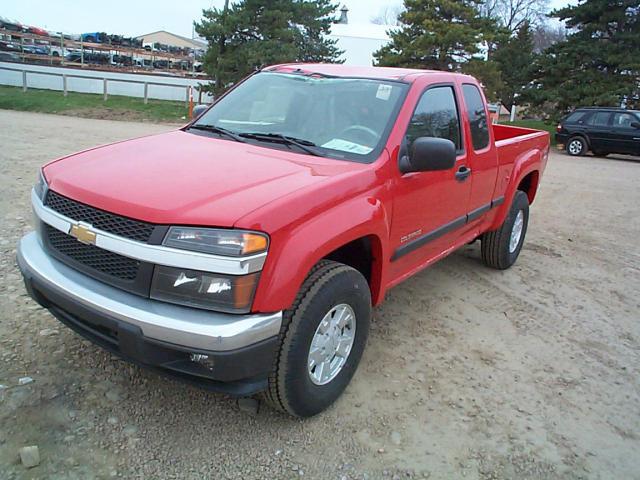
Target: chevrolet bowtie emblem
[(83, 233)]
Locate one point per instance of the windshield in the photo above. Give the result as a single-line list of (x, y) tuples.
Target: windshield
[(346, 118)]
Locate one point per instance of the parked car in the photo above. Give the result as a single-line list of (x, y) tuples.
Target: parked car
[(601, 131), (36, 31), (7, 24), (94, 37), (9, 46), (36, 49), (244, 252), (10, 57)]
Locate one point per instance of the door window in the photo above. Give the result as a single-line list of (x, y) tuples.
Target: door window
[(623, 120), (477, 116), (436, 115), (600, 119)]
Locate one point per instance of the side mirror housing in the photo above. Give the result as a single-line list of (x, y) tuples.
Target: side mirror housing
[(429, 154), (199, 110), (635, 125)]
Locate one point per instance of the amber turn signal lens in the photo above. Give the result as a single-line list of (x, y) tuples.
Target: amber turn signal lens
[(253, 243)]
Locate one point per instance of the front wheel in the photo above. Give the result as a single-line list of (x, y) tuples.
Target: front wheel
[(322, 339), (501, 248)]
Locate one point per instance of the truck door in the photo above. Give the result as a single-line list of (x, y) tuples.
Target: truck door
[(430, 207), (482, 154)]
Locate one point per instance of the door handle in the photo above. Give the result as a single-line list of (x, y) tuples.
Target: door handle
[(463, 173)]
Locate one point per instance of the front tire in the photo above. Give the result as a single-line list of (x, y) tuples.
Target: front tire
[(577, 146), (322, 339), (501, 248)]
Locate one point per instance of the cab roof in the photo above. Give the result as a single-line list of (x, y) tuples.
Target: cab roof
[(338, 70)]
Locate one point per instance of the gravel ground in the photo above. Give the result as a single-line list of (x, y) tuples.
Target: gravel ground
[(531, 373)]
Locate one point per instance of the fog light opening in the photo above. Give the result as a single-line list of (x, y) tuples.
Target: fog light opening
[(203, 360)]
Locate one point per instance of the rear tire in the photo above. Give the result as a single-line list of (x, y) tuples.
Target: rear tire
[(501, 248), (577, 146), (293, 388)]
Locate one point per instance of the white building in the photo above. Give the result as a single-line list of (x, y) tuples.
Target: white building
[(359, 41)]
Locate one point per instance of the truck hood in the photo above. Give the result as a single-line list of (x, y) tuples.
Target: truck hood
[(185, 178)]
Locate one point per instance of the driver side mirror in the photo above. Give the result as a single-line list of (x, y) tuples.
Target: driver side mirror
[(429, 154), (635, 124), (198, 110)]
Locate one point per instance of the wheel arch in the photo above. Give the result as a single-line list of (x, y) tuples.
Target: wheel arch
[(582, 135), (353, 233), (529, 184)]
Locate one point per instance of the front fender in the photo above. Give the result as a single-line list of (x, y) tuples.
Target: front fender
[(297, 248)]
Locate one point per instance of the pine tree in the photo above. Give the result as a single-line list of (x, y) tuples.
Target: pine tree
[(436, 34), (515, 59), (598, 64), (251, 34)]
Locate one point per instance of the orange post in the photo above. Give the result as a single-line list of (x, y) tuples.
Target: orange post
[(190, 102)]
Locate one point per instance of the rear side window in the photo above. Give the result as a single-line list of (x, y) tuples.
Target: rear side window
[(436, 115), (623, 120), (477, 116), (575, 117), (600, 119)]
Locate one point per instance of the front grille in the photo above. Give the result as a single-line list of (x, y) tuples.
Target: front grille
[(103, 261), (122, 226)]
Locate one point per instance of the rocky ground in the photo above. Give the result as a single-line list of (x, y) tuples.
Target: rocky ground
[(531, 373)]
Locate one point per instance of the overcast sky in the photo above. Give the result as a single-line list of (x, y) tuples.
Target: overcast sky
[(137, 17)]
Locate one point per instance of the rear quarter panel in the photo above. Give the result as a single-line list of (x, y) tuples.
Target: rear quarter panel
[(521, 151)]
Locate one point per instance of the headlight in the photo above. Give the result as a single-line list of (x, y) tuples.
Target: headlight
[(41, 185), (231, 243), (213, 291)]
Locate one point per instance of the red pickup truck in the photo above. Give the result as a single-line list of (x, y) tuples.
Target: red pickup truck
[(245, 251)]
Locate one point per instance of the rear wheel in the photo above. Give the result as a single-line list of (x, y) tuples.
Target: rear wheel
[(501, 248), (576, 146), (322, 339)]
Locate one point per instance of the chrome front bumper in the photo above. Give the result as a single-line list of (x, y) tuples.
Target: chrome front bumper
[(164, 322)]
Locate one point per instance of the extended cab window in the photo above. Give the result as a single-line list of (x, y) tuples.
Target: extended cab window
[(436, 115), (477, 116), (623, 120)]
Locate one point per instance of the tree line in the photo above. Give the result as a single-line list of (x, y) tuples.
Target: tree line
[(507, 44)]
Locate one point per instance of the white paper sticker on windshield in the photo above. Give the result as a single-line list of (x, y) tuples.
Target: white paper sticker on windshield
[(347, 146), (384, 92)]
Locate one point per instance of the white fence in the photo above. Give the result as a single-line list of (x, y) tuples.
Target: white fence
[(100, 82)]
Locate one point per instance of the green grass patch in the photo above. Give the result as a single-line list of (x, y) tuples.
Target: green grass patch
[(89, 105), (538, 125)]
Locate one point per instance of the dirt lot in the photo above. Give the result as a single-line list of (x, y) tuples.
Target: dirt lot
[(532, 373)]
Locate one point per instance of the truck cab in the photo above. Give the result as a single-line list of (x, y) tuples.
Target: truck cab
[(245, 252)]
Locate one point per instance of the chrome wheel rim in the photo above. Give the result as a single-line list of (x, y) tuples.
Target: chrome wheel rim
[(516, 231), (575, 147), (331, 344)]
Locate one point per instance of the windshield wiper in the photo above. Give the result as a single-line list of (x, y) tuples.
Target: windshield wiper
[(304, 145), (218, 130)]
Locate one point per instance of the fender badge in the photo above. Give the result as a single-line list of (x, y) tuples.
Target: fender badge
[(83, 233)]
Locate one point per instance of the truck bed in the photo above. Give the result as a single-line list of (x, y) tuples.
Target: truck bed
[(517, 145)]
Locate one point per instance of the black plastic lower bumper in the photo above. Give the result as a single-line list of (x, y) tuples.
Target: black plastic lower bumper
[(238, 372)]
